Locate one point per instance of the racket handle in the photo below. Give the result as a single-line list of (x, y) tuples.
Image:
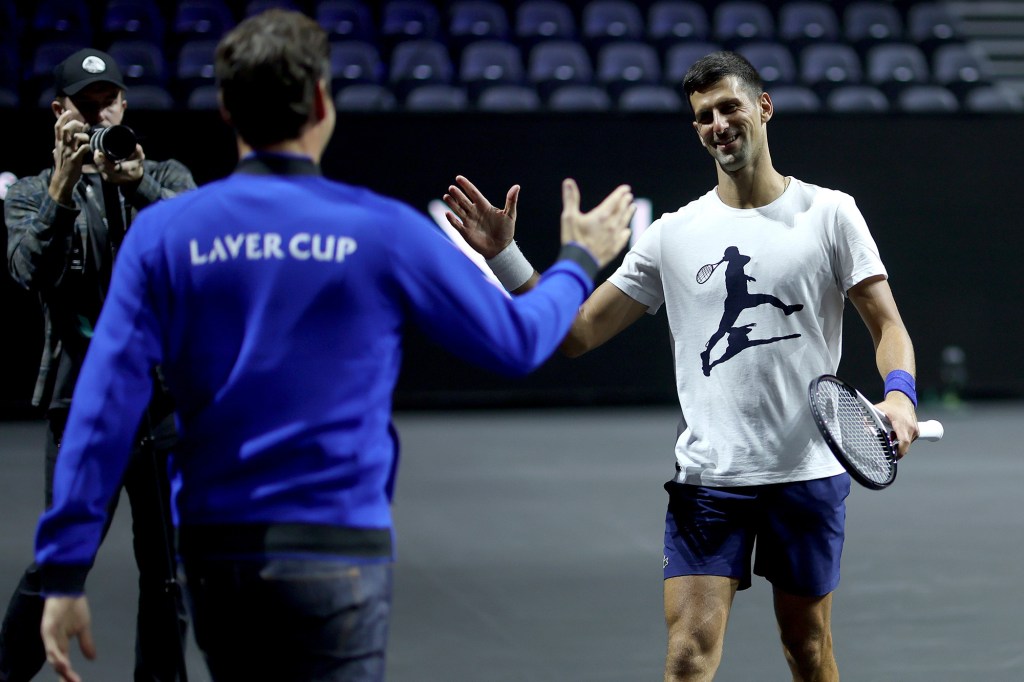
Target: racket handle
[(930, 430)]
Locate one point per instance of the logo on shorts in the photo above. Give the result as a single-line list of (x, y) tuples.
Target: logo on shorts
[(664, 561)]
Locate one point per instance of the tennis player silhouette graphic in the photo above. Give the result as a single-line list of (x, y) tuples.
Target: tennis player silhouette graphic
[(738, 299)]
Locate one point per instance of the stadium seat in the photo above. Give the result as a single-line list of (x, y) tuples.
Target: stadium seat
[(62, 21), (203, 98), (649, 98), (892, 66), (556, 63), (869, 22), (624, 64), (201, 20), (366, 97), (680, 58), (409, 20), (141, 62), (487, 63), (794, 99), (823, 66), (605, 21), (671, 22), (993, 99), (354, 61), (927, 99), (508, 98), (437, 97), (134, 20), (345, 20), (195, 66), (9, 98), (579, 98), (540, 20), (44, 59), (850, 99), (11, 23), (258, 6), (10, 66), (419, 62), (742, 21), (801, 23), (959, 68), (772, 60), (475, 20), (150, 97), (930, 24)]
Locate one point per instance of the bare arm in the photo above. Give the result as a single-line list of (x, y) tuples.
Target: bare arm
[(893, 350)]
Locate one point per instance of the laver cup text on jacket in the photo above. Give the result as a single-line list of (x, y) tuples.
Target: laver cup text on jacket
[(272, 246)]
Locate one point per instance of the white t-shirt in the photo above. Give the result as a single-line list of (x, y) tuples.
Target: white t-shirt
[(772, 313)]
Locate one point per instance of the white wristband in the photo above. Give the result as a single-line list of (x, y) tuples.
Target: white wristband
[(511, 267)]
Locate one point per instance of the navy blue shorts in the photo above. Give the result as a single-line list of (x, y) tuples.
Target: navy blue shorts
[(797, 529)]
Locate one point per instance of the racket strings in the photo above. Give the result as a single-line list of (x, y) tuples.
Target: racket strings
[(856, 432)]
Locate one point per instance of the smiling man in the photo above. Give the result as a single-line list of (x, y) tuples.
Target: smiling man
[(750, 466)]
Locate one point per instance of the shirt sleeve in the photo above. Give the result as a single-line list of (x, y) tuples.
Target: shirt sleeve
[(110, 396), (856, 253), (639, 275)]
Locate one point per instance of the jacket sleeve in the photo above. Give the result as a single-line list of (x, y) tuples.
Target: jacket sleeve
[(162, 180), (112, 391), (39, 234)]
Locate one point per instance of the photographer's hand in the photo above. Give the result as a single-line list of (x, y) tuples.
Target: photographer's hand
[(125, 172), (70, 152)]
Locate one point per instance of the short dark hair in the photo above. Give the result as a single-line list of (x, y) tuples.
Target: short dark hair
[(712, 68), (267, 70)]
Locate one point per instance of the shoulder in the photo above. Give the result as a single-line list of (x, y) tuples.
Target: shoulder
[(824, 196), (686, 215)]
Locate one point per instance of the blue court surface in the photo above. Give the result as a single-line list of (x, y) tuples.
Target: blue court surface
[(529, 547)]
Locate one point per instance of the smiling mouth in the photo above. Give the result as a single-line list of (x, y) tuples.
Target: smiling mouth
[(726, 141)]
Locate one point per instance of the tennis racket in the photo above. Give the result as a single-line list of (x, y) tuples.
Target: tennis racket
[(705, 271), (857, 433)]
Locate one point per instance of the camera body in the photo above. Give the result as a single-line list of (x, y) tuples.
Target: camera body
[(116, 142)]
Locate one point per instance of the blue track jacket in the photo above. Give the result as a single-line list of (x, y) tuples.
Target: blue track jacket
[(275, 300)]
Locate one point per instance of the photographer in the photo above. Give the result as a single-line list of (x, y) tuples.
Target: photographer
[(65, 226)]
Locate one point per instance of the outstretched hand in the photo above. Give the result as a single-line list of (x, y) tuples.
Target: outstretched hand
[(484, 227), (603, 231), (65, 618)]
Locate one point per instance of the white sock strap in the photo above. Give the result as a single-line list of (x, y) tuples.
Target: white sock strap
[(511, 267)]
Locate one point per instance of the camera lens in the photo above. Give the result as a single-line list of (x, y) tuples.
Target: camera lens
[(116, 142)]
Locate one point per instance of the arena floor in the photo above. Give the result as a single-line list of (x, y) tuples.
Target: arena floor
[(529, 550)]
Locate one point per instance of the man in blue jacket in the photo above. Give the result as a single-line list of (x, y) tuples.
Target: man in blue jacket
[(274, 301)]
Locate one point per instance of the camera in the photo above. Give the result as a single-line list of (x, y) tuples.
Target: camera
[(116, 142)]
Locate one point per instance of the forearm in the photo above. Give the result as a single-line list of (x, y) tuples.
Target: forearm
[(159, 181)]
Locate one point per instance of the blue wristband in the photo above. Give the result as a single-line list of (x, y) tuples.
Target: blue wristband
[(899, 380)]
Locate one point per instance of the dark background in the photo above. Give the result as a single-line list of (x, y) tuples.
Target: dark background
[(941, 195)]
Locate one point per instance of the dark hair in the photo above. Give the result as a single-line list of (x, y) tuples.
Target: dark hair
[(712, 68), (267, 70)]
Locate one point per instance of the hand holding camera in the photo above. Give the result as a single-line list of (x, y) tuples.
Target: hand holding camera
[(117, 153)]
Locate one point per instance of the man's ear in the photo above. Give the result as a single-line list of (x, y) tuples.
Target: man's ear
[(767, 108), (320, 98), (224, 115)]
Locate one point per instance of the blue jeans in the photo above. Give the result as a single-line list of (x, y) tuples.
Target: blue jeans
[(290, 620)]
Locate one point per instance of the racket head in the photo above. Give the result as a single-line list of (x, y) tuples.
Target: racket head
[(853, 431), (705, 272)]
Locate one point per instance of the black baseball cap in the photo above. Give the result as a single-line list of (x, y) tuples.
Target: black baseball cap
[(83, 68)]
